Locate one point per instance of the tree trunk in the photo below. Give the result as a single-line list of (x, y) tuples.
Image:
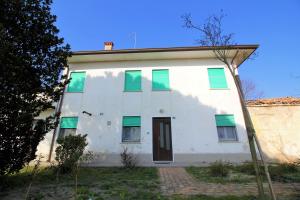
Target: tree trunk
[(250, 132), (252, 139)]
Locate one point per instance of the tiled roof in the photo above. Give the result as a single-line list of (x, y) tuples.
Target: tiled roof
[(275, 101)]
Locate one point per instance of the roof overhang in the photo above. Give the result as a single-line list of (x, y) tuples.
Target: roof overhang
[(237, 53)]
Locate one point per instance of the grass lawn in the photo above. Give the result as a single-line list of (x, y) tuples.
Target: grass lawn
[(108, 183), (245, 174), (94, 183), (204, 197), (97, 183), (203, 174)]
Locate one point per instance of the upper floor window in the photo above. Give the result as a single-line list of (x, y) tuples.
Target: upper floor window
[(133, 81), (131, 129), (217, 78), (68, 126), (160, 79), (226, 127), (77, 82)]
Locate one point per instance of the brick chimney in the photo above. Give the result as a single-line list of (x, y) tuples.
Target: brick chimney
[(108, 46)]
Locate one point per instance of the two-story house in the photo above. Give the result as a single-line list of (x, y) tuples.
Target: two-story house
[(177, 106)]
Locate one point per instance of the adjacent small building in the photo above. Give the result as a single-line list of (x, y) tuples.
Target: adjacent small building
[(173, 106)]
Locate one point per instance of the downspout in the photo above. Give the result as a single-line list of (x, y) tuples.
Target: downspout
[(57, 113)]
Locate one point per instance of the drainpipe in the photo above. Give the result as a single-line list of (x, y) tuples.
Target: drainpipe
[(57, 113)]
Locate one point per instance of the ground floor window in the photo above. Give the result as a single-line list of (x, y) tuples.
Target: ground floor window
[(68, 126), (131, 129), (63, 132), (226, 127)]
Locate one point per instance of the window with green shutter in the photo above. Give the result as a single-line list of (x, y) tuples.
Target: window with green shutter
[(69, 122), (217, 78), (160, 79), (226, 127), (131, 121), (131, 129), (77, 82), (133, 81), (68, 126), (225, 120)]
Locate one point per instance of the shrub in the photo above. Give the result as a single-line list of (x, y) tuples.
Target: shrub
[(248, 168), (128, 160), (69, 151), (219, 169), (288, 167), (279, 172)]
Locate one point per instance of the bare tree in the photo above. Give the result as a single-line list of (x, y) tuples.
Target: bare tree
[(212, 34), (250, 90)]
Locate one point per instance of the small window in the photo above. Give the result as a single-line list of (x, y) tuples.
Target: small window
[(160, 80), (227, 133), (226, 127), (131, 129), (68, 126), (133, 81), (217, 78), (77, 82)]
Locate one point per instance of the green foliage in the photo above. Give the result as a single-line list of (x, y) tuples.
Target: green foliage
[(69, 151), (285, 172), (32, 57), (248, 168), (203, 174), (219, 169), (95, 183), (205, 197)]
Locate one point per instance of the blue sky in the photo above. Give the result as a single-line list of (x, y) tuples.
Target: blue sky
[(274, 25)]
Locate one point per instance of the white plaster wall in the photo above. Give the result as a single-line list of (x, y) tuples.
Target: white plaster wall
[(44, 146), (191, 104)]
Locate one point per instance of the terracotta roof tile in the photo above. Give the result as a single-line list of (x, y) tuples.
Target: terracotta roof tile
[(275, 101)]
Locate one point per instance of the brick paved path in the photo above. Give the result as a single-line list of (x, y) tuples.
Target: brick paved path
[(176, 180)]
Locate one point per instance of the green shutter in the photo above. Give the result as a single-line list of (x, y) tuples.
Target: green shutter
[(217, 79), (225, 120), (68, 122), (132, 121), (133, 80), (160, 79), (77, 82)]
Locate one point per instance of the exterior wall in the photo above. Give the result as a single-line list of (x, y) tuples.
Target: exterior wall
[(191, 104), (277, 128), (44, 146)]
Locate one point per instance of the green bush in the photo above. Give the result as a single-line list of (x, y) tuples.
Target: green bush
[(246, 168), (69, 151), (219, 169), (288, 167), (279, 172)]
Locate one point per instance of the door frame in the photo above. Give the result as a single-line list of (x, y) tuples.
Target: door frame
[(171, 142)]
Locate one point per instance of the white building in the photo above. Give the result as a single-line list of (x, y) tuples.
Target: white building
[(177, 106)]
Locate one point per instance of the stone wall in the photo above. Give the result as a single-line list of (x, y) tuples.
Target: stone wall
[(278, 130)]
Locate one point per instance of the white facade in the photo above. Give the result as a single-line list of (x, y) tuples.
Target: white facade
[(190, 103)]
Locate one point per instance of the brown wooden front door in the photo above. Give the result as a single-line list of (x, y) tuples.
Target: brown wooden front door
[(162, 139)]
